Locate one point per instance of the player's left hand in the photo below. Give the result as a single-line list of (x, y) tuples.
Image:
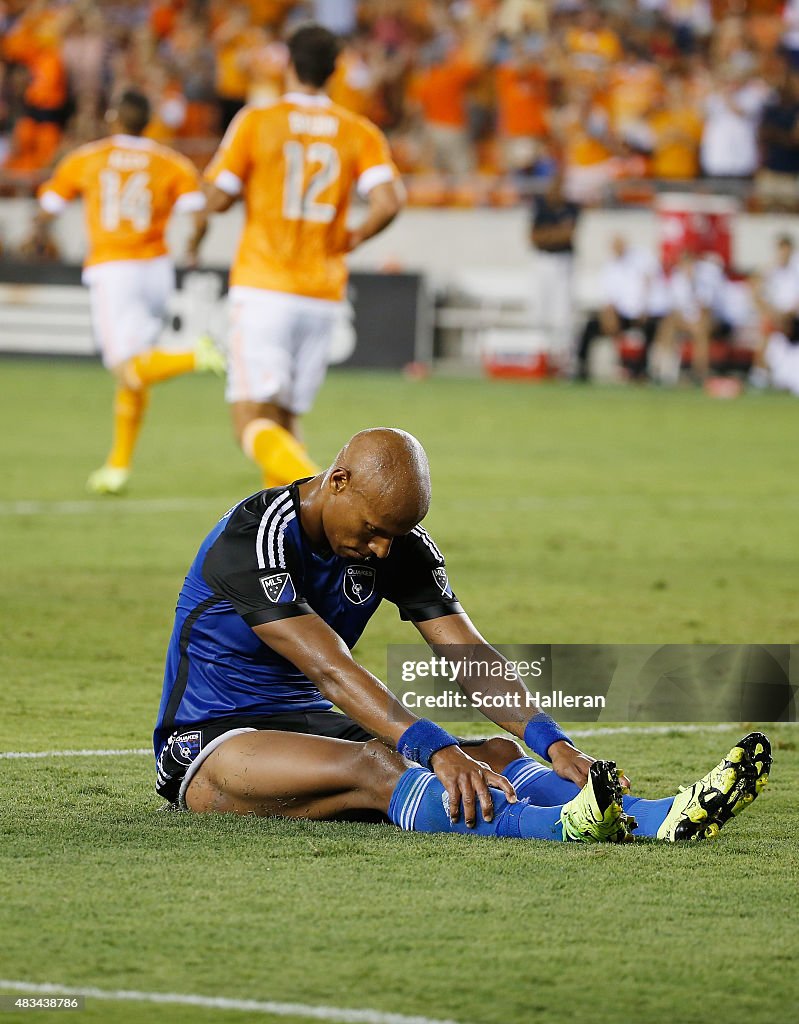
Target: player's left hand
[(468, 783), (572, 764)]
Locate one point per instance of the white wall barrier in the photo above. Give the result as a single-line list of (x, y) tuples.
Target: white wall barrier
[(44, 310), (483, 254)]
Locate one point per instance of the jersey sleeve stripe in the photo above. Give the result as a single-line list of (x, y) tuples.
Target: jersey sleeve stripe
[(281, 551), (374, 176), (52, 202), (425, 537), (190, 202), (276, 524), (279, 504), (228, 182)]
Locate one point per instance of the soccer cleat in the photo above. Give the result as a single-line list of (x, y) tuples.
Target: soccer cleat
[(108, 480), (208, 358), (699, 811), (595, 815)]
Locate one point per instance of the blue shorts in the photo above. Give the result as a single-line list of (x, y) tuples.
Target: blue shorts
[(186, 749)]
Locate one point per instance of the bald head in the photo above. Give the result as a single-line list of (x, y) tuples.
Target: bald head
[(389, 469), (376, 490)]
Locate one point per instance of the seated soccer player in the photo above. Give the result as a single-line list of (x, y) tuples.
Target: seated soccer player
[(280, 592)]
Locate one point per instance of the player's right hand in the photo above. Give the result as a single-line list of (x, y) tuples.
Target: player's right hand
[(466, 782), (572, 764)]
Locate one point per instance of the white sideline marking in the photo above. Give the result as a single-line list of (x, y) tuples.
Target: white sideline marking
[(329, 1013), (654, 730), (77, 508), (611, 730)]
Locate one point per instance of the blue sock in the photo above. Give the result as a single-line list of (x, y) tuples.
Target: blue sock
[(419, 804), (538, 784), (650, 814), (541, 785)]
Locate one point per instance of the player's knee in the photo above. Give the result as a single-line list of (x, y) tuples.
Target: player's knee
[(379, 767), (498, 752), (126, 375)]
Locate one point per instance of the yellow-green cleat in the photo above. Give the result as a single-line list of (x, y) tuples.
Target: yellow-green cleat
[(108, 480), (699, 811), (595, 815), (208, 358)]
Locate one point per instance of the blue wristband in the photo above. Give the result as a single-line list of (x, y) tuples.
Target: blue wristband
[(422, 739), (541, 732)]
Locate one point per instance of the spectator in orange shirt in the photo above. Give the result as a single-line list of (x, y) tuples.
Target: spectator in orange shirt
[(265, 63), (634, 85), (676, 132), (522, 108), (169, 108), (271, 13), (34, 43), (232, 39), (440, 90), (593, 45), (582, 129), (163, 17), (355, 80)]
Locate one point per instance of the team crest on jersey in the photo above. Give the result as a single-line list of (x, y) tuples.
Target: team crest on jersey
[(359, 583), (279, 588), (440, 576), (185, 747)]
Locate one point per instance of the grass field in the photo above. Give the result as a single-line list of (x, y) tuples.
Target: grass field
[(567, 515)]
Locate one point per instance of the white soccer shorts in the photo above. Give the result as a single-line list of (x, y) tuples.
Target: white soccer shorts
[(278, 347), (129, 303)]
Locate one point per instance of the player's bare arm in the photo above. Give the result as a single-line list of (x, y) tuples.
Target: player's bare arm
[(567, 760), (198, 233), (319, 653), (40, 229), (385, 202), (216, 200)]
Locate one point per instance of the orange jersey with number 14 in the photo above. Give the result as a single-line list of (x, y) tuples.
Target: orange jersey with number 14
[(295, 163), (129, 187)]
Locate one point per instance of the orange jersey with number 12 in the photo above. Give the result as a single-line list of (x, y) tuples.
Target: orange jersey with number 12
[(295, 163), (129, 187)]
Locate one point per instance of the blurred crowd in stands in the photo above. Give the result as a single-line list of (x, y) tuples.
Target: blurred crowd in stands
[(479, 97)]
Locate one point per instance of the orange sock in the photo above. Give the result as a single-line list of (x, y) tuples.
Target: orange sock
[(279, 454), (129, 408), (156, 365)]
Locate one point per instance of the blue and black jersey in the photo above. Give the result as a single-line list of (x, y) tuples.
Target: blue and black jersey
[(256, 566)]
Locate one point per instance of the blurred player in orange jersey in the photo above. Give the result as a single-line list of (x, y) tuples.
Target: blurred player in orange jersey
[(130, 185), (295, 164)]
